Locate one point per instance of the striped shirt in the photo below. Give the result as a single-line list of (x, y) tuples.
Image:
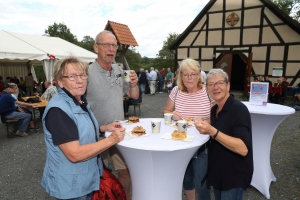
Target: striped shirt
[(191, 104)]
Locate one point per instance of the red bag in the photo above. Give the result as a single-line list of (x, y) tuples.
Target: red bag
[(110, 188)]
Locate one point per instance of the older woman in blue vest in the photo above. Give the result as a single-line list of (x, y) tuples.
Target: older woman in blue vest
[(73, 166)]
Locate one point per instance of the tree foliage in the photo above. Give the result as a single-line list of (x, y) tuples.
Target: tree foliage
[(134, 59), (165, 57), (290, 7), (87, 43), (62, 31)]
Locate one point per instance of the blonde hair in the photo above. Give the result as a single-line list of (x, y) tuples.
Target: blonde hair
[(189, 64)]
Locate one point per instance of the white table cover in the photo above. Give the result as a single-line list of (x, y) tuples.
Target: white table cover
[(157, 165), (265, 120)]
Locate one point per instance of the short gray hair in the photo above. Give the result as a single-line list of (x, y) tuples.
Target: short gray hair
[(217, 72), (103, 32)]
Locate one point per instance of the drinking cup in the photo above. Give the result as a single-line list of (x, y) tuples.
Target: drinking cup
[(182, 125), (168, 118), (155, 125), (126, 75)]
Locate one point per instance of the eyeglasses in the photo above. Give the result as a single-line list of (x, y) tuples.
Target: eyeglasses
[(219, 84), (189, 75), (73, 77), (107, 45)]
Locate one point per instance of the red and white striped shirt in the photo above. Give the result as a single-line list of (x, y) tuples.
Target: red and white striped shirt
[(191, 104)]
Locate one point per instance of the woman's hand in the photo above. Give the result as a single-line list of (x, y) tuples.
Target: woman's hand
[(111, 127), (177, 116), (204, 127), (118, 135)]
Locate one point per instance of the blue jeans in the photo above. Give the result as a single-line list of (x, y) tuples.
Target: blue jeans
[(85, 197), (232, 194), (24, 119), (195, 172), (142, 87)]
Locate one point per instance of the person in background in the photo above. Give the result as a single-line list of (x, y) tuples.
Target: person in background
[(29, 84), (261, 79), (143, 80), (8, 110), (169, 75), (255, 79), (50, 91), (152, 81), (230, 134), (169, 86), (268, 81), (106, 85), (163, 73), (278, 96), (147, 88), (1, 80), (73, 167), (190, 99), (160, 82), (130, 101), (21, 85)]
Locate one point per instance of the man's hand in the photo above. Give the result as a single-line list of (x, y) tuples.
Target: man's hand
[(133, 78)]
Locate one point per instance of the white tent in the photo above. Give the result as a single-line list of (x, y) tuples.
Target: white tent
[(21, 48)]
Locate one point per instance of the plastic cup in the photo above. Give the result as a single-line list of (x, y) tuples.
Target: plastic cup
[(155, 124), (182, 125), (168, 118), (126, 75)]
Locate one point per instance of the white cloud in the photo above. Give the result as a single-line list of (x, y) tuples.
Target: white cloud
[(150, 21)]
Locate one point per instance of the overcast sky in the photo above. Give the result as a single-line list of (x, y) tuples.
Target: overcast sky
[(150, 21)]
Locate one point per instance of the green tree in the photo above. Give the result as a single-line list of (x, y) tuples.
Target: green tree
[(134, 59), (165, 57), (87, 43), (62, 31), (290, 7)]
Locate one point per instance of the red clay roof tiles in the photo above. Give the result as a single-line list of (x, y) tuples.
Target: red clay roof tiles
[(122, 33)]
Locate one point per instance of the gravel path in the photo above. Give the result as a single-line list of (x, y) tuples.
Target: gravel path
[(22, 159)]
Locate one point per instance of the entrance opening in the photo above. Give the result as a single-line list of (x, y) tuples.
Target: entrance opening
[(237, 73)]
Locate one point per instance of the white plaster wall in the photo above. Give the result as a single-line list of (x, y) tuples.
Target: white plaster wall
[(215, 20), (272, 17), (250, 3), (294, 51), (189, 39), (206, 53), (252, 17), (259, 53), (259, 68), (214, 37), (182, 53), (272, 65), (218, 5), (251, 36), (233, 4), (194, 53), (277, 53), (200, 39), (232, 37), (269, 36), (288, 34), (206, 65), (200, 24), (292, 69)]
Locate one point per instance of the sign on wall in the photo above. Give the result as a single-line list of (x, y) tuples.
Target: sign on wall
[(277, 71)]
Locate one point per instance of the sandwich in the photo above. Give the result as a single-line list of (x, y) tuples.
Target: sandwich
[(138, 131), (178, 135), (133, 119)]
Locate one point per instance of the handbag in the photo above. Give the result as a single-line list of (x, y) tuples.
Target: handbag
[(110, 188), (33, 100)]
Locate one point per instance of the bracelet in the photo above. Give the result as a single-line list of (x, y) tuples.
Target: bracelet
[(133, 86), (214, 137)]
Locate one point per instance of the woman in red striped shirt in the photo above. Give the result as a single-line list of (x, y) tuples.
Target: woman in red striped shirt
[(189, 99)]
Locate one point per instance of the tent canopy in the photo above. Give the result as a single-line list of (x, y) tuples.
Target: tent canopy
[(25, 47)]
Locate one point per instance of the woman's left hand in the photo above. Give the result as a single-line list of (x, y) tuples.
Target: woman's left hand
[(112, 126), (204, 127)]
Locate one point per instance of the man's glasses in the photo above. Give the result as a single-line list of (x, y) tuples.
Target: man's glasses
[(189, 75), (73, 77), (107, 45), (219, 84)]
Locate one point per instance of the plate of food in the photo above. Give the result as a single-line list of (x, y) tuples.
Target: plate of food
[(132, 120), (178, 135), (137, 131), (190, 124)]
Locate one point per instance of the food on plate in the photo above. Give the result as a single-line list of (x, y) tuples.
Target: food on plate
[(178, 135), (189, 119), (138, 131), (133, 119)]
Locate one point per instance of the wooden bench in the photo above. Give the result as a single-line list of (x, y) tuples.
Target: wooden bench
[(8, 122), (139, 106)]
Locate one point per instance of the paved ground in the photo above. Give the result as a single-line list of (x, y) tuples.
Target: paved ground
[(22, 159)]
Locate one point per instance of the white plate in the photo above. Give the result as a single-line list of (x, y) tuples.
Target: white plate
[(127, 122), (168, 136), (128, 132), (190, 124)]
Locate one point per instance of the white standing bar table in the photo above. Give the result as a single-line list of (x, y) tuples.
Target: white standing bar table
[(265, 120), (157, 165)]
